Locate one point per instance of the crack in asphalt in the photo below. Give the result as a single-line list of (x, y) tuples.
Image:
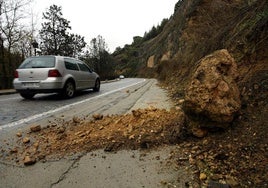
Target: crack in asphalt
[(72, 166)]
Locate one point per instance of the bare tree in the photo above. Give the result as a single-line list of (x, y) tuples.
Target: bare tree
[(11, 13)]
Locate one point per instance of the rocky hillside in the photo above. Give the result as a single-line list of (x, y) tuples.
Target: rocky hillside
[(187, 58), (198, 28)]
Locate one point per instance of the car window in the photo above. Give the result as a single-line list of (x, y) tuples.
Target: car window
[(83, 67), (38, 62), (70, 64)]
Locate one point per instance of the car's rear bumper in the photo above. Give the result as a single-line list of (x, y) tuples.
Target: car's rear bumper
[(38, 87)]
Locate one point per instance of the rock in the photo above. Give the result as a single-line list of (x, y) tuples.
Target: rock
[(137, 113), (181, 101), (19, 134), (199, 132), (202, 176), (97, 116), (60, 130), (26, 140), (29, 160), (36, 145), (76, 119), (35, 128), (213, 92)]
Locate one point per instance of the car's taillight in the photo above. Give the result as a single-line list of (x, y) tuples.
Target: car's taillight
[(16, 74), (54, 73)]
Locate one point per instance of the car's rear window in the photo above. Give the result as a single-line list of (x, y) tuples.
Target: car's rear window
[(38, 62)]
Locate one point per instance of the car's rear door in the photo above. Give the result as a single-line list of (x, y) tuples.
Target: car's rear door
[(73, 70), (88, 78)]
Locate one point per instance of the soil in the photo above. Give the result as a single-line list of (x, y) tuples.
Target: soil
[(235, 157)]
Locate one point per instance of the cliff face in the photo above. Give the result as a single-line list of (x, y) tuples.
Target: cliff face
[(198, 28)]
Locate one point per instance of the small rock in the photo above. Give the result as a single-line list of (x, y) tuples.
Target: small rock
[(136, 113), (200, 133), (97, 116), (61, 130), (131, 137), (76, 119), (26, 140), (35, 128), (36, 145), (19, 134), (29, 160), (181, 101), (202, 176)]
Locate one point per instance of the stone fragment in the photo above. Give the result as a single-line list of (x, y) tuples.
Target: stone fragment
[(97, 116), (76, 119), (35, 128), (60, 130), (19, 134), (29, 160), (199, 132), (26, 140), (202, 176), (136, 113), (36, 145)]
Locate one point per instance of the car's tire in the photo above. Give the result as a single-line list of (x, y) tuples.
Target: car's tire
[(97, 85), (68, 90), (27, 95)]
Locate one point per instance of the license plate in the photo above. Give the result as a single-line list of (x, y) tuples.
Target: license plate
[(31, 85)]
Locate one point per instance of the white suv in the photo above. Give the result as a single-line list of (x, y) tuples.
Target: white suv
[(49, 74)]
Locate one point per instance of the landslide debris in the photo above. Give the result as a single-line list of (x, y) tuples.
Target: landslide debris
[(143, 128), (234, 157)]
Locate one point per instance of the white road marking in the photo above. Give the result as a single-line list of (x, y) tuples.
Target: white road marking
[(3, 100), (45, 114)]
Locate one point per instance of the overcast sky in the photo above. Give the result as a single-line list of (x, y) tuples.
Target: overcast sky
[(117, 21)]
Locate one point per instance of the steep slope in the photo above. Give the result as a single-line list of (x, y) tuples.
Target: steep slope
[(199, 27), (196, 29)]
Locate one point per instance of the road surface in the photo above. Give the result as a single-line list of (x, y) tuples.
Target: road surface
[(97, 169), (114, 98)]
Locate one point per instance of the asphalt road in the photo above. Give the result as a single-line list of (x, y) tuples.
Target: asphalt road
[(96, 169), (114, 98)]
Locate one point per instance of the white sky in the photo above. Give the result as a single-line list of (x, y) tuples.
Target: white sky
[(117, 21)]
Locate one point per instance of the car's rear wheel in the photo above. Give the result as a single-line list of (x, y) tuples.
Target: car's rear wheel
[(27, 95), (97, 85), (69, 89)]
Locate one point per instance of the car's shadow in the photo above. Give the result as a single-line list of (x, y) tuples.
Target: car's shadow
[(59, 97)]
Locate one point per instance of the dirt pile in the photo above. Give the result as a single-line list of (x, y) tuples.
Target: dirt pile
[(143, 128), (235, 157)]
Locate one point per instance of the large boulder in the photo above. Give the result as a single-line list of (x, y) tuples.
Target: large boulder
[(213, 93)]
